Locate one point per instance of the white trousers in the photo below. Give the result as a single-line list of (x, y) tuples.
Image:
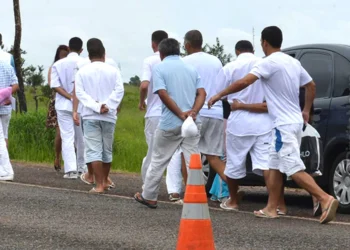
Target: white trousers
[(174, 175), (71, 135), (5, 164)]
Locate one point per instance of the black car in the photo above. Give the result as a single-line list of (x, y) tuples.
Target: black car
[(329, 66)]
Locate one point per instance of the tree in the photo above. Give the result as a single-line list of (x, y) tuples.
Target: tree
[(17, 56), (135, 81), (215, 50), (34, 76)]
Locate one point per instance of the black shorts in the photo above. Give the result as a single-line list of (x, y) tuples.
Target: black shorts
[(227, 109)]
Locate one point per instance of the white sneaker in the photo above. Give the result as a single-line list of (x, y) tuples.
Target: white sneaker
[(71, 175), (7, 178)]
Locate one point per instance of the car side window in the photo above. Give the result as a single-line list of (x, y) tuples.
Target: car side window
[(320, 68), (342, 77)]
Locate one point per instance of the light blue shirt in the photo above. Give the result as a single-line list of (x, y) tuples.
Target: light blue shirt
[(181, 82), (7, 79)]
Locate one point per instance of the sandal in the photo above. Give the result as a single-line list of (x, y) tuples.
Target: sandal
[(82, 178), (262, 214), (225, 207), (172, 198), (138, 197), (317, 211), (329, 213), (94, 191)]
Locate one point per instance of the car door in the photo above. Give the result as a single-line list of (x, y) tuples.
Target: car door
[(320, 65)]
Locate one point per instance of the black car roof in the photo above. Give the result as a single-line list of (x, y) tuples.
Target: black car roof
[(338, 48)]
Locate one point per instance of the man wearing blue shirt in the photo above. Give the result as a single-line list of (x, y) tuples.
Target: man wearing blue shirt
[(179, 87)]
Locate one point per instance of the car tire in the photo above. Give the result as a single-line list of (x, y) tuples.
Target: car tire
[(339, 181)]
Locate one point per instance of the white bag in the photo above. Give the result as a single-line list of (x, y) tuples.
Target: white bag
[(189, 128)]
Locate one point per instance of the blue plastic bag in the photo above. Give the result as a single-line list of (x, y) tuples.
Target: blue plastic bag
[(219, 189)]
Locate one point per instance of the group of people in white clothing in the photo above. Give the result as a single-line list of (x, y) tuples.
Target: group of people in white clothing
[(88, 94), (266, 119)]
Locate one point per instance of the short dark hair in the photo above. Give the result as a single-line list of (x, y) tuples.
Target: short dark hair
[(244, 46), (272, 35), (159, 36), (95, 48), (195, 38), (169, 47), (75, 44)]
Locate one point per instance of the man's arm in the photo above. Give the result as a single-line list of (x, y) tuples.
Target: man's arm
[(233, 88), (15, 88), (143, 94), (56, 84), (84, 98), (170, 104), (115, 98), (255, 107), (310, 93), (199, 102)]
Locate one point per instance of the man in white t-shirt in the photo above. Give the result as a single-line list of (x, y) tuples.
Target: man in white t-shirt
[(281, 76), (249, 125), (208, 67), (100, 89), (153, 113), (88, 177), (62, 81)]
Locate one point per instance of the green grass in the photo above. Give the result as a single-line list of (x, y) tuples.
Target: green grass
[(30, 140)]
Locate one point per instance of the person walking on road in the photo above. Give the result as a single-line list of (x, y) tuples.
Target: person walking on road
[(99, 88), (208, 67), (249, 125), (179, 87), (281, 76), (152, 116), (8, 78), (62, 81), (51, 120)]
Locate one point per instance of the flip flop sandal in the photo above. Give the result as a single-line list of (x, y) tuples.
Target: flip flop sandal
[(330, 211), (172, 198), (112, 185), (82, 178), (279, 212), (227, 208), (144, 202), (317, 211), (94, 191), (262, 214)]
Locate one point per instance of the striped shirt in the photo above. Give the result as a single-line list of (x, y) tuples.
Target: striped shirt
[(7, 78)]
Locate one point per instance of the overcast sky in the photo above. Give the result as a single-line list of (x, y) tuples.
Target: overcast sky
[(125, 27)]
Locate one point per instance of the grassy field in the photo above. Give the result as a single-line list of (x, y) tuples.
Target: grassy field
[(30, 140)]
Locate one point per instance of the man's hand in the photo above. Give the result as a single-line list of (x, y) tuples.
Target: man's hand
[(235, 105), (104, 109), (191, 113), (7, 102), (142, 106), (76, 118), (306, 116), (213, 100)]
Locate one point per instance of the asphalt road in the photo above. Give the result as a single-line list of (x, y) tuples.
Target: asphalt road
[(41, 210)]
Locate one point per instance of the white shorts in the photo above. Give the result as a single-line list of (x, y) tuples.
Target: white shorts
[(5, 121), (237, 149), (285, 149)]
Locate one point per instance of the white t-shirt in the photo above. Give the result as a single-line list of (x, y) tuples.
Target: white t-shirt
[(282, 76), (99, 83), (154, 104), (62, 75), (242, 122), (208, 67), (87, 61)]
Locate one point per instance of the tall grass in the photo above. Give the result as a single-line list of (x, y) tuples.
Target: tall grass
[(30, 140)]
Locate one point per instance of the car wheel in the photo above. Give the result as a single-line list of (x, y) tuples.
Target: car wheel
[(339, 181), (205, 168)]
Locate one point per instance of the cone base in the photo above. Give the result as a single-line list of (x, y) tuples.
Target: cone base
[(195, 234)]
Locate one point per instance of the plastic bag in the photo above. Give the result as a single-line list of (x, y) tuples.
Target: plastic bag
[(189, 128), (219, 189), (311, 151), (5, 94)]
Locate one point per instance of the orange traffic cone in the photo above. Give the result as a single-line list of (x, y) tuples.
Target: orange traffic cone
[(195, 227)]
